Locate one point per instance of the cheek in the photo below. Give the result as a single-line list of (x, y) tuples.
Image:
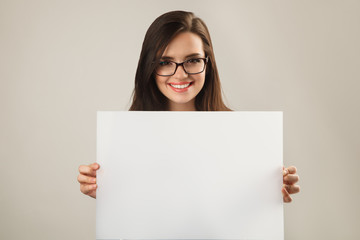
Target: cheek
[(200, 79), (161, 81), (158, 80)]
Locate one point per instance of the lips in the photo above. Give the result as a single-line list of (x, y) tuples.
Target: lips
[(180, 86)]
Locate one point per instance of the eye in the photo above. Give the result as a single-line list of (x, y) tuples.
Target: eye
[(164, 63), (195, 60)]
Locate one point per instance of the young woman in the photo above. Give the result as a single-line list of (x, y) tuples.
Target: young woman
[(177, 72)]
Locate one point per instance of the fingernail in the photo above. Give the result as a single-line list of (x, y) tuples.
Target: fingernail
[(93, 180)]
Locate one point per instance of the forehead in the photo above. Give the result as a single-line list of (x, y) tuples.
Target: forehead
[(183, 45)]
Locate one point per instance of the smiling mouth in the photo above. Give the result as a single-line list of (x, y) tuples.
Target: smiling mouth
[(180, 86)]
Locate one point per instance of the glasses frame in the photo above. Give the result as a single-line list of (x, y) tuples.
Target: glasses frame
[(182, 64)]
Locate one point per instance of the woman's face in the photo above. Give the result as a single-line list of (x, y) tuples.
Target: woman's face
[(182, 88)]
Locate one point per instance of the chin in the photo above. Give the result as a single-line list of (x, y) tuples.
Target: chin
[(181, 101)]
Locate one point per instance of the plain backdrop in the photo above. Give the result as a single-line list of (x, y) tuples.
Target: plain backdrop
[(61, 61)]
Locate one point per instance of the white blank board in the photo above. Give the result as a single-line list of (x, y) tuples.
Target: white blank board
[(189, 175)]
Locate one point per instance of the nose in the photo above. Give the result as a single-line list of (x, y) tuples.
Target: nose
[(180, 72)]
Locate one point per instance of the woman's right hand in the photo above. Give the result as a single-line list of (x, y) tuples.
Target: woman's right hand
[(87, 179)]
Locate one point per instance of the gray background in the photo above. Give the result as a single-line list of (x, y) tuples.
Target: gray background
[(61, 61)]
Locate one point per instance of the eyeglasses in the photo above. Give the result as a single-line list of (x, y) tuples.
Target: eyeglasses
[(191, 66)]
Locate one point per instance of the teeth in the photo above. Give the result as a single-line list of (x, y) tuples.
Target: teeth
[(180, 86)]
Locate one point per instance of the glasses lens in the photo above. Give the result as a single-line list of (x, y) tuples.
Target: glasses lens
[(166, 68), (194, 65)]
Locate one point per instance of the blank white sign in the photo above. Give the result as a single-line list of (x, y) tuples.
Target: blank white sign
[(189, 175)]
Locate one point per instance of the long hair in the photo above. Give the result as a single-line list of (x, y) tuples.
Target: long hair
[(146, 95)]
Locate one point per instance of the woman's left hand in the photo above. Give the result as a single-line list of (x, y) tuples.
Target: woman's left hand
[(289, 179)]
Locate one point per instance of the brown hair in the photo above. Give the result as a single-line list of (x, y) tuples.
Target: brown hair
[(146, 95)]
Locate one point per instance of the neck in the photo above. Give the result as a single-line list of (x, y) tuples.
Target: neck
[(189, 106)]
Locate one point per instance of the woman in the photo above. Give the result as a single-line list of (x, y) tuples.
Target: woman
[(177, 72)]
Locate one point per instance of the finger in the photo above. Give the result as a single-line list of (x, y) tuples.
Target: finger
[(87, 170), (285, 171), (86, 179), (87, 188), (291, 179), (291, 170), (291, 189), (286, 195), (95, 166)]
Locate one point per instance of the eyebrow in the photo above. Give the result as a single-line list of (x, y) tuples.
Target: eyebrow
[(191, 55)]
